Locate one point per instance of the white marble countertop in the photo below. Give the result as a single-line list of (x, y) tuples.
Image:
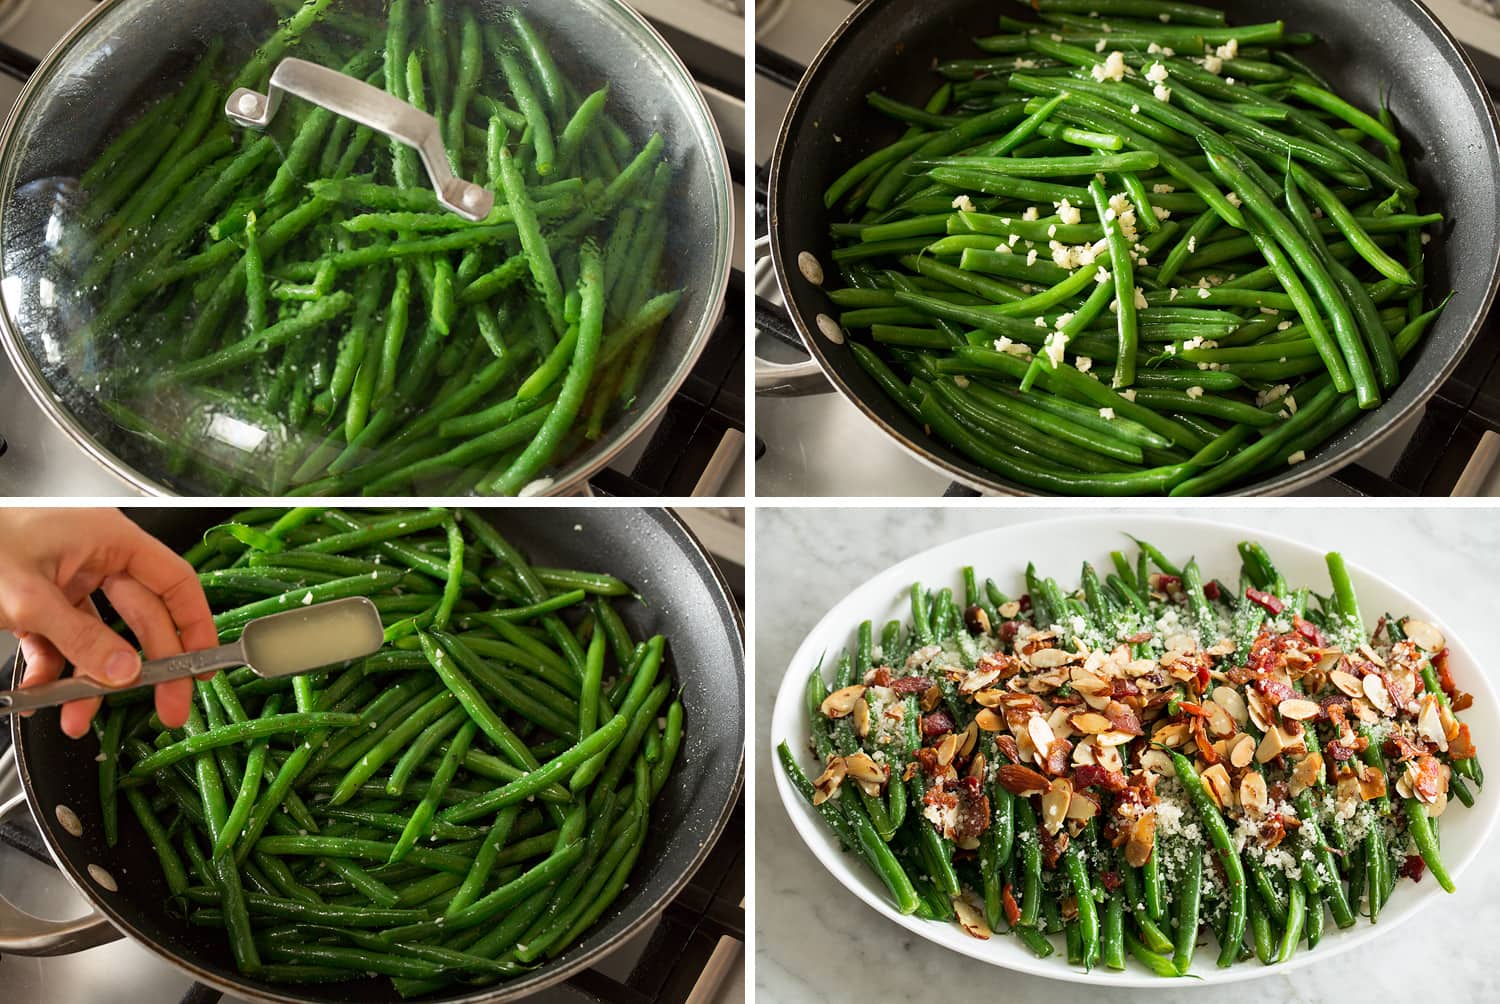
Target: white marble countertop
[(815, 941)]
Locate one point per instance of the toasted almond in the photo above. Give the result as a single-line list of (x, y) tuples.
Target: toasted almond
[(1271, 745), (1372, 783), (1109, 757), (1347, 682), (1009, 610), (827, 784), (1220, 721), (1253, 795), (969, 740), (1158, 762), (1084, 753), (1426, 636), (1403, 786), (1114, 737), (989, 698), (970, 918), (1230, 700), (990, 721), (1142, 838), (1329, 660), (861, 717), (1435, 808), (977, 766), (862, 768), (978, 679), (1082, 806), (1055, 804), (1241, 750), (1090, 723), (1049, 658), (1255, 706), (1369, 653), (948, 749), (1020, 780), (1375, 690), (1216, 781), (841, 702), (1171, 734), (1298, 709), (1362, 708), (1430, 723), (1039, 732), (1058, 723), (1306, 773)]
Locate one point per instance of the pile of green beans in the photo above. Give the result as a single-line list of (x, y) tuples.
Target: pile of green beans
[(294, 313), (1132, 250), (459, 807), (966, 824)]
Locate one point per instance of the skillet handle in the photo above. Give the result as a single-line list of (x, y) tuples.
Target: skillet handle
[(23, 934), (773, 379), (369, 106)]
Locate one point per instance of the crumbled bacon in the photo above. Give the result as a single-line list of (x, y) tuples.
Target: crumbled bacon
[(1308, 630), (1053, 845), (1011, 907), (1110, 880), (1057, 757), (1461, 746), (1122, 718), (927, 757), (937, 723), (1120, 687), (1338, 752), (1274, 690), (1211, 589), (1267, 600), (910, 684), (1091, 774), (1402, 748), (880, 676), (1205, 748), (973, 809), (1427, 779)]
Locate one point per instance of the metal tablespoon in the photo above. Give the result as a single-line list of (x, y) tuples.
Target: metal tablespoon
[(280, 644)]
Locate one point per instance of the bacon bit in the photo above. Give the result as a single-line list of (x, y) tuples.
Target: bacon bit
[(1110, 880), (1004, 664), (973, 810), (1402, 748), (1091, 774), (1273, 830), (1205, 748), (1412, 867), (936, 724), (1011, 907), (1308, 630), (1267, 600), (1202, 677), (1275, 691), (1211, 589), (1119, 688), (1058, 755), (941, 798), (1335, 709), (927, 757), (880, 676), (1193, 709), (1053, 845), (1019, 779), (1168, 584), (1338, 752), (910, 684), (1428, 783), (1461, 746), (1123, 718), (1440, 663), (1463, 702), (911, 770)]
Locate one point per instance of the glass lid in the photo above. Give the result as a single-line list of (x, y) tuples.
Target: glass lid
[(345, 246)]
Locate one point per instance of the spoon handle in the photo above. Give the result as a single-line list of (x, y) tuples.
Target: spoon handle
[(71, 688)]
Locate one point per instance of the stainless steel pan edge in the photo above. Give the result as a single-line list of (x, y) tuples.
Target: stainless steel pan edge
[(1348, 446), (706, 298), (580, 957)]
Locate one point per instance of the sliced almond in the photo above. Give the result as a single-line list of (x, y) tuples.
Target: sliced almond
[(1109, 757), (1375, 691), (841, 702), (1426, 636), (990, 721), (1083, 753), (1171, 734), (1216, 781), (1039, 732), (1220, 722), (970, 918), (1253, 795), (1142, 839), (862, 768), (1009, 610), (1055, 804), (1307, 772), (861, 717), (1158, 762), (827, 784), (1114, 737), (1241, 750), (989, 698), (1090, 723), (1271, 745), (977, 766), (1082, 807), (1403, 786), (1430, 723), (1298, 709), (969, 740), (1255, 706), (1058, 723), (1372, 782), (1435, 809), (948, 749), (1347, 682), (1049, 658), (1230, 700)]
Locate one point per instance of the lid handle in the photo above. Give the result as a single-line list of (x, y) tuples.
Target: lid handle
[(369, 106)]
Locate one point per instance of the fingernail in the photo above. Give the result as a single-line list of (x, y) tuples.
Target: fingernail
[(121, 668)]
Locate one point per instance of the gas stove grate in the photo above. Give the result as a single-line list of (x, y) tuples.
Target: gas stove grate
[(1454, 421), (707, 910)]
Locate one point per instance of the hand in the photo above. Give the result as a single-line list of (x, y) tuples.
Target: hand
[(51, 563)]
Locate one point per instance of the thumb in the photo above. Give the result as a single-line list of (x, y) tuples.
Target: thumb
[(84, 640)]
